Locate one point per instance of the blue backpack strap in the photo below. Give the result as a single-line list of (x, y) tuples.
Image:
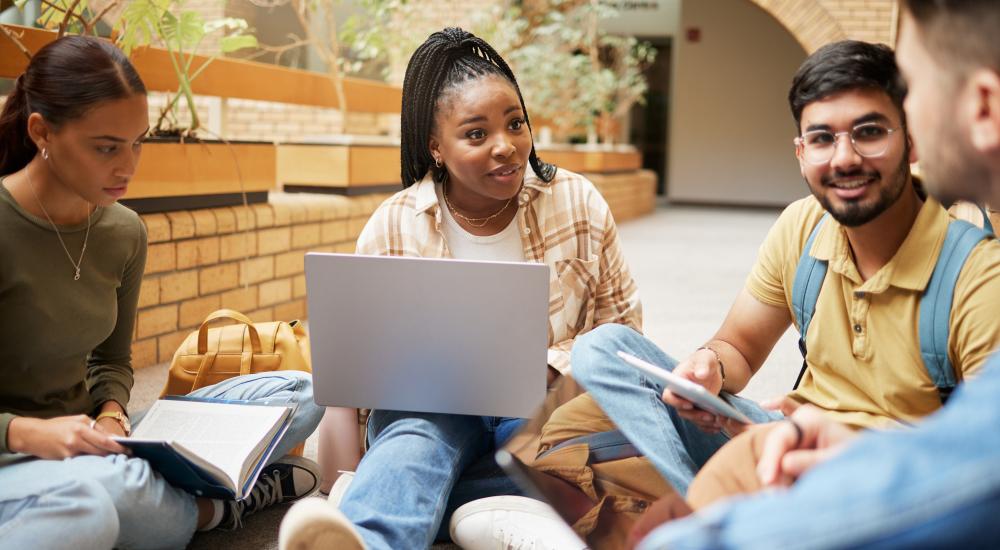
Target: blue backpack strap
[(935, 306), (604, 446), (809, 276)]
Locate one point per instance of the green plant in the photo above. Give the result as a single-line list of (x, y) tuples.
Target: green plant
[(146, 23), (385, 33), (181, 32), (570, 71), (573, 72), (326, 45), (63, 16)]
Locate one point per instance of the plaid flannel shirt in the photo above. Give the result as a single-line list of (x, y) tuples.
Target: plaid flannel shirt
[(564, 223)]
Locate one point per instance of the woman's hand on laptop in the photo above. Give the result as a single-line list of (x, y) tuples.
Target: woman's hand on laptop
[(702, 368)]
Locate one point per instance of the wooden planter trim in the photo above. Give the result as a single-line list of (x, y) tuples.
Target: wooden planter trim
[(597, 162), (181, 169), (225, 77), (301, 166)]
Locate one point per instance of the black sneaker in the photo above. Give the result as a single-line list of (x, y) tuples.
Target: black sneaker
[(286, 480)]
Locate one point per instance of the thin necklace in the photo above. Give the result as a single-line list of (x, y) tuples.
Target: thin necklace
[(78, 263), (475, 222)]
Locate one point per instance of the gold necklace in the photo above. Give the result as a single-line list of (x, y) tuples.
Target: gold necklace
[(474, 222), (86, 237)]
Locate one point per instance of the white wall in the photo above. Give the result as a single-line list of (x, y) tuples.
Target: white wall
[(731, 129)]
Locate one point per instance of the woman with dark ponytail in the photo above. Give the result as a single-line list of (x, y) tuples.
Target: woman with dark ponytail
[(70, 137), (474, 189)]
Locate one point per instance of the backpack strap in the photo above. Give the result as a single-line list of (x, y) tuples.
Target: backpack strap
[(809, 276), (936, 303), (987, 224), (603, 446)]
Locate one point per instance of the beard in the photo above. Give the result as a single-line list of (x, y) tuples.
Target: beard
[(954, 172), (855, 213)]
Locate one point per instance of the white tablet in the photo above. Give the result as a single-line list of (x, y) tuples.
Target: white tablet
[(687, 389)]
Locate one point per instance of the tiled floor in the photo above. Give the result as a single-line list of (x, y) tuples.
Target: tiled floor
[(689, 263)]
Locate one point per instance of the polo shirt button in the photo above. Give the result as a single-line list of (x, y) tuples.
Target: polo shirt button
[(857, 328), (527, 231), (859, 294)]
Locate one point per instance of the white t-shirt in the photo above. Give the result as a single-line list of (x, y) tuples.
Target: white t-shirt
[(505, 246)]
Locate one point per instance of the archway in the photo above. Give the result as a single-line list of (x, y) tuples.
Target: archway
[(807, 20)]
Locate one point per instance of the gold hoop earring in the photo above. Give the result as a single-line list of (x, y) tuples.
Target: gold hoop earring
[(45, 153), (438, 163)]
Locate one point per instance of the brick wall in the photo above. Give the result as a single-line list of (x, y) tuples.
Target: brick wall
[(248, 260), (253, 120), (817, 22), (870, 20)]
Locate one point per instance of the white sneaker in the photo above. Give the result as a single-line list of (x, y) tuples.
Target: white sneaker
[(339, 488), (312, 524), (511, 523)]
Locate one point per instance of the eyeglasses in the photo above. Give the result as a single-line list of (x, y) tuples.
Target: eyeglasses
[(869, 140)]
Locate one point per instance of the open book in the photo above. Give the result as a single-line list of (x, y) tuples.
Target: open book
[(209, 447)]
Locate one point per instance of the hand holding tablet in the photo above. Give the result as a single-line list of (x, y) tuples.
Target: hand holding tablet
[(687, 389)]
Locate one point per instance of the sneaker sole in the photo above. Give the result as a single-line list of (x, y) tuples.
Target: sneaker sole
[(312, 524)]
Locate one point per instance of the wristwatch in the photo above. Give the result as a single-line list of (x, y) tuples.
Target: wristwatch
[(120, 417)]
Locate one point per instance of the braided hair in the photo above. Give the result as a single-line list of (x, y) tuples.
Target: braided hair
[(446, 60)]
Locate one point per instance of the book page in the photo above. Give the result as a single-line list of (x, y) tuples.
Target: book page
[(223, 434)]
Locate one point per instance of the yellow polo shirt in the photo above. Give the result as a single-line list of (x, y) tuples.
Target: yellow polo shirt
[(863, 347)]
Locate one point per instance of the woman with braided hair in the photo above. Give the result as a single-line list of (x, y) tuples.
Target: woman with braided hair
[(474, 189)]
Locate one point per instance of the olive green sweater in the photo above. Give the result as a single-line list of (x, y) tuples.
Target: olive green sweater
[(65, 345)]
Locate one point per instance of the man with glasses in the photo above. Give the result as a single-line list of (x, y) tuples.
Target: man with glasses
[(937, 485), (878, 235)]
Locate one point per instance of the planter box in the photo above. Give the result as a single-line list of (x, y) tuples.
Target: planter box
[(591, 160), (342, 169), (184, 176)]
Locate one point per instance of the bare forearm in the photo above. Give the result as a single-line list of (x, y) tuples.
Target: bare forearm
[(738, 369)]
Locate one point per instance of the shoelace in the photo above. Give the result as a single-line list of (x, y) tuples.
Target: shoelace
[(266, 491)]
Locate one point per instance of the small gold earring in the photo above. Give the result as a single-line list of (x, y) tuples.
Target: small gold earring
[(437, 162), (45, 153)]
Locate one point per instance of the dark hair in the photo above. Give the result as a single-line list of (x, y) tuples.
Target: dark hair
[(959, 33), (842, 66), (63, 81), (446, 60)]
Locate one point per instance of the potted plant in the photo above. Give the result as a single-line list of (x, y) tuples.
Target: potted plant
[(179, 171)]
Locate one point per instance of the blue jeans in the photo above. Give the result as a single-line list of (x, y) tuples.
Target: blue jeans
[(935, 486), (676, 447), (418, 468), (100, 502)]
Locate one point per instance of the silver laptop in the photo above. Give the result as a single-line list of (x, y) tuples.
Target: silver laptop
[(428, 335)]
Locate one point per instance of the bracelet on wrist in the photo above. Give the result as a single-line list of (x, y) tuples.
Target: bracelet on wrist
[(718, 358)]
